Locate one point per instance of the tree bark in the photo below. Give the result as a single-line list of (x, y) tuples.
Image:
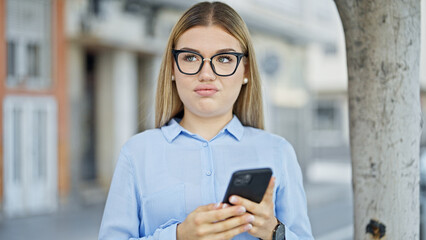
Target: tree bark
[(383, 53)]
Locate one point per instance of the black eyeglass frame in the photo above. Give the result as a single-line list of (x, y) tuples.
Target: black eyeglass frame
[(238, 55)]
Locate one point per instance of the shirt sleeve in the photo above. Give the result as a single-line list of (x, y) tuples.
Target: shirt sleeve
[(291, 206), (122, 218)]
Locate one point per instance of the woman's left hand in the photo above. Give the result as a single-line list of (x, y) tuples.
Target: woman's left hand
[(264, 216)]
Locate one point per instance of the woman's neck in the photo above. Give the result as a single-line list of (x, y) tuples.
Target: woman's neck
[(206, 127)]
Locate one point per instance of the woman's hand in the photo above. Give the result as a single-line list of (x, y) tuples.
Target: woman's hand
[(214, 221), (264, 216)]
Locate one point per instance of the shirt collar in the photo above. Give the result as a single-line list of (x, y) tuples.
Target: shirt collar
[(235, 128), (173, 129)]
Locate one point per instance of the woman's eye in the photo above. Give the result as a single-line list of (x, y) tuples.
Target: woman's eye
[(190, 58), (224, 59)]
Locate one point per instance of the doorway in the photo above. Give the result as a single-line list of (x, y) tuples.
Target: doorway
[(30, 155), (88, 168)]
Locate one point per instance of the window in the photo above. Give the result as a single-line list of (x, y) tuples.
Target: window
[(33, 60), (28, 43), (327, 116), (95, 7), (330, 49), (11, 59)]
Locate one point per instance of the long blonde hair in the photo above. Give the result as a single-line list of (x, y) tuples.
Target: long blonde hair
[(248, 106)]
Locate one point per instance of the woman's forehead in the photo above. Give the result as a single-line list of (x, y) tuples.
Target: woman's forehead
[(207, 39)]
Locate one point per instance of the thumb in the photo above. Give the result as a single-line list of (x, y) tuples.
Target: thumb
[(268, 197)]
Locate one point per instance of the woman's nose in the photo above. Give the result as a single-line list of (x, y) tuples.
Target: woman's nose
[(206, 72)]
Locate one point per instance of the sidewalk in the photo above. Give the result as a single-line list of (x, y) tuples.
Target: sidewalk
[(330, 203), (329, 208), (68, 223)]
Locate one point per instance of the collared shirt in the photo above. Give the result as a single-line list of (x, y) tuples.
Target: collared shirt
[(164, 174)]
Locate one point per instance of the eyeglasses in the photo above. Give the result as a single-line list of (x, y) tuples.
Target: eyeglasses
[(223, 64)]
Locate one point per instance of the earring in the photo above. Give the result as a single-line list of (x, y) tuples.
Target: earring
[(245, 81), (173, 77)]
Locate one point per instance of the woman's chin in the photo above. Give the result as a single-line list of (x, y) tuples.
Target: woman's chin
[(210, 113)]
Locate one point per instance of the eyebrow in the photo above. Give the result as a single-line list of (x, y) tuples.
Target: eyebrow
[(218, 51)]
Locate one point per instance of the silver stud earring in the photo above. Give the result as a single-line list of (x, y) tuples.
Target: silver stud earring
[(245, 81), (173, 77)]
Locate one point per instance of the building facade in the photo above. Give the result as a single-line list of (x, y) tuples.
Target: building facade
[(34, 99)]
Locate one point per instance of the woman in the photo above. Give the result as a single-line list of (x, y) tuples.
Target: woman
[(169, 181)]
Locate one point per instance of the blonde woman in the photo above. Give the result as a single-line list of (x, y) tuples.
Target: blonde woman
[(169, 181)]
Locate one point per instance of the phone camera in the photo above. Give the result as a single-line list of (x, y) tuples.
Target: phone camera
[(242, 180)]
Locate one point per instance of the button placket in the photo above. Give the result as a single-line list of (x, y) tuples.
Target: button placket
[(207, 171)]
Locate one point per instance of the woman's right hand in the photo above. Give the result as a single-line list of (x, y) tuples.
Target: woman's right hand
[(214, 221)]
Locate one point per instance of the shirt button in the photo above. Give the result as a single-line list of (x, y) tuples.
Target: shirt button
[(205, 144), (208, 173)]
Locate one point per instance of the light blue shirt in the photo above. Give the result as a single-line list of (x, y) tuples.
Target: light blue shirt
[(164, 174)]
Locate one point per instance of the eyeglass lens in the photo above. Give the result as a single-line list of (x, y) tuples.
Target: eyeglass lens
[(223, 64)]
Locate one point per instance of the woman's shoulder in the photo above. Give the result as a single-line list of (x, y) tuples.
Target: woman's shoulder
[(147, 137), (263, 136)]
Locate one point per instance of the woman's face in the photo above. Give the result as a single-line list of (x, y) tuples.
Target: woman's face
[(206, 94)]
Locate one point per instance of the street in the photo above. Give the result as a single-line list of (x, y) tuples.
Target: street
[(333, 220), (329, 195), (68, 223), (330, 211)]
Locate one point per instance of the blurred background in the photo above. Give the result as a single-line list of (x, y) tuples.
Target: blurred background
[(79, 79)]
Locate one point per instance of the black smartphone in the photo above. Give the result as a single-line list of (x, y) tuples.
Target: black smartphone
[(250, 184)]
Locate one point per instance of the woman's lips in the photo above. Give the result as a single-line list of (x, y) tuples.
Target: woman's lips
[(206, 90)]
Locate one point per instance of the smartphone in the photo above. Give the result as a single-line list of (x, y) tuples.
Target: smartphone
[(250, 184)]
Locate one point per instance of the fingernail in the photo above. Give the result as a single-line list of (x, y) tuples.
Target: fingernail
[(217, 205), (250, 218), (225, 205), (241, 210), (248, 227), (233, 199)]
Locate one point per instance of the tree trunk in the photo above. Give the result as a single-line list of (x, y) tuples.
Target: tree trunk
[(383, 52)]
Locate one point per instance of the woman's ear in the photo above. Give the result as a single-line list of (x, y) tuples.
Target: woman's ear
[(247, 73), (246, 67)]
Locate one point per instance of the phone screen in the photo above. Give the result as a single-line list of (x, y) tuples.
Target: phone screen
[(250, 184)]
